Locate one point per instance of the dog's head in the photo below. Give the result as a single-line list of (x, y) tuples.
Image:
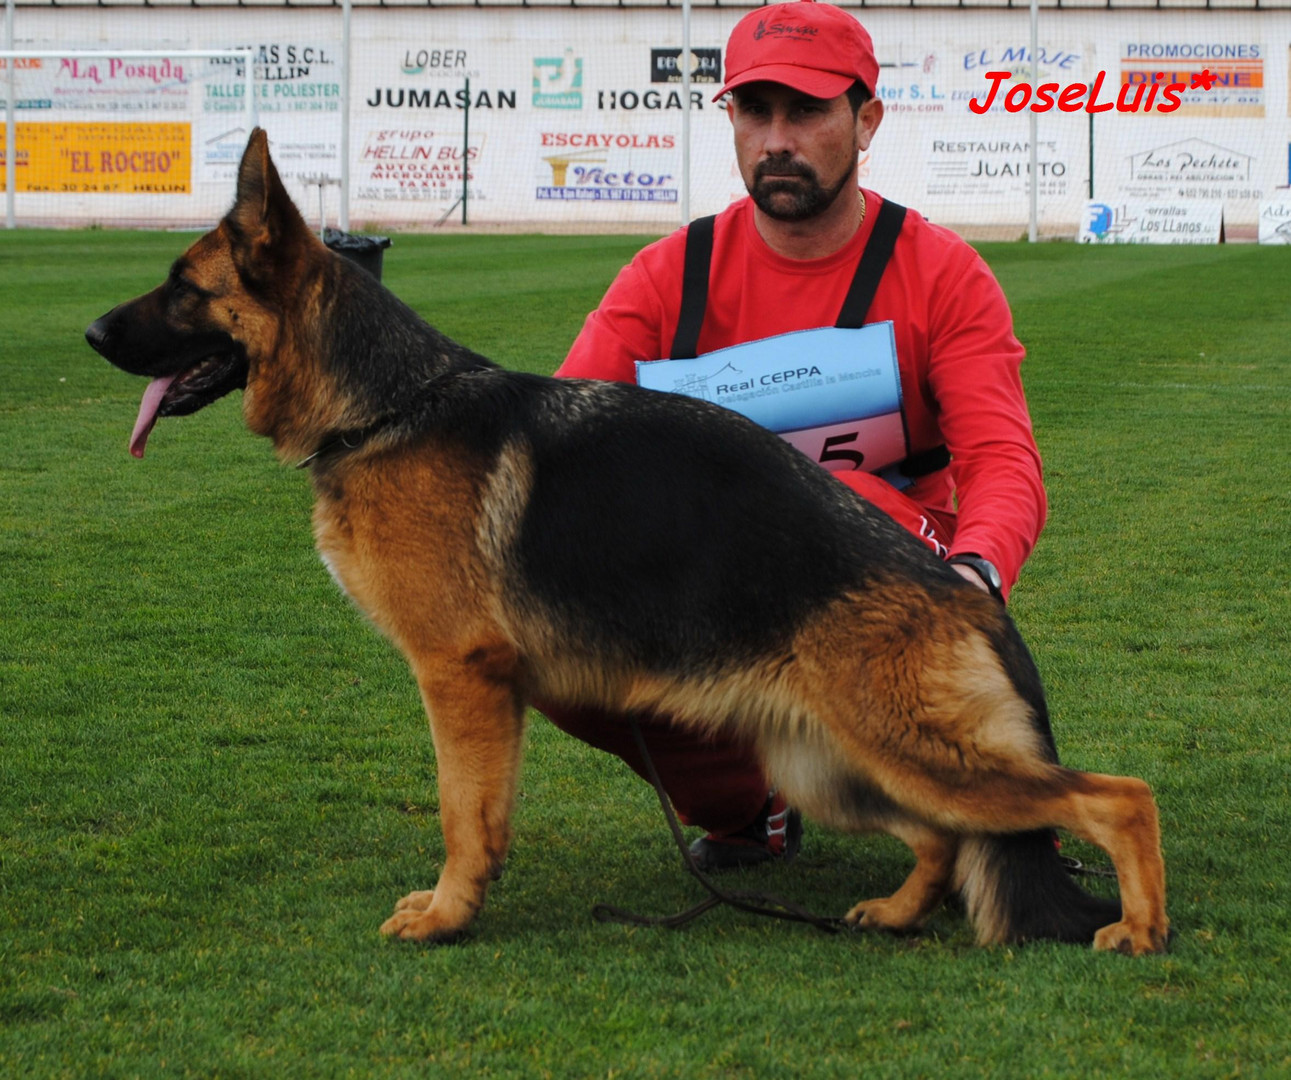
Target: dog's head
[(209, 328)]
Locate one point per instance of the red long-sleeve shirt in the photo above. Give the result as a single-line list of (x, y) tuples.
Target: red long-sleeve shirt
[(958, 358)]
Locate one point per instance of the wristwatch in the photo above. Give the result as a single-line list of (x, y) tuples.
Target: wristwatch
[(985, 569)]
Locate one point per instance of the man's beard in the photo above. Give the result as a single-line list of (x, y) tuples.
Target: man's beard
[(807, 197)]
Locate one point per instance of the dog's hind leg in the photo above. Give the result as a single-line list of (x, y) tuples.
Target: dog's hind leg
[(1116, 813), (923, 891), (477, 722), (947, 722), (810, 767), (1119, 814)]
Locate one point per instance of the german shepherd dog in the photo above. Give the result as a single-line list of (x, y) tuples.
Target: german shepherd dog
[(526, 539)]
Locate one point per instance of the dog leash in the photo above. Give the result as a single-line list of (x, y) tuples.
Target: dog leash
[(771, 907), (1075, 867)]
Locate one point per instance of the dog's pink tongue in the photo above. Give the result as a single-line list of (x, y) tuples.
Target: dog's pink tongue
[(148, 413)]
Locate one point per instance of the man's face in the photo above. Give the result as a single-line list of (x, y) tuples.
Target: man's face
[(797, 153)]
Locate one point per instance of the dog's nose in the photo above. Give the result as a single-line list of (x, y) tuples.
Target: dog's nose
[(97, 335)]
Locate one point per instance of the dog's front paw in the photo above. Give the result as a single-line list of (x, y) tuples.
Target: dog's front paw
[(419, 926), (416, 901), (417, 918), (1132, 939), (885, 914)]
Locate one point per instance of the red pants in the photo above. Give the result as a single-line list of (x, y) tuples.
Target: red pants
[(718, 783)]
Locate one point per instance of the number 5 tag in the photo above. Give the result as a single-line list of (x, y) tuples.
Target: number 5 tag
[(833, 393)]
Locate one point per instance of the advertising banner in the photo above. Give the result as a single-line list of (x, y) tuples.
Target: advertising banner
[(1275, 221), (102, 158), (1222, 77), (118, 87), (574, 117), (1182, 221)]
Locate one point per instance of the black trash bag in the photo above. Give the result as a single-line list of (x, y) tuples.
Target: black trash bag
[(367, 251)]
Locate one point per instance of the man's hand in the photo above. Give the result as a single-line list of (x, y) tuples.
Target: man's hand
[(969, 574), (981, 572)]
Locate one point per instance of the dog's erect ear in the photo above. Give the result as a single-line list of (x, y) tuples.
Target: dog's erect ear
[(251, 208), (263, 215)]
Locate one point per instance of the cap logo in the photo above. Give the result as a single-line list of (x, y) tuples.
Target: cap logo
[(815, 48), (781, 30)]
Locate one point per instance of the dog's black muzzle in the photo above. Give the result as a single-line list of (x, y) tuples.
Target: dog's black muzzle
[(207, 364), (97, 335)]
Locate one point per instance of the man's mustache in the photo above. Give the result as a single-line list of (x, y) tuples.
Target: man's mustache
[(772, 168)]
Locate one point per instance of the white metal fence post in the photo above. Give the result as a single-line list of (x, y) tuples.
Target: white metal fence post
[(1033, 214), (10, 136), (685, 112), (345, 116)]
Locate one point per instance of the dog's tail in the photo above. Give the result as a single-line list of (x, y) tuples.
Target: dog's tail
[(1016, 888)]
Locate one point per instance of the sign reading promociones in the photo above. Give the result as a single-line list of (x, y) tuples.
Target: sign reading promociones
[(1236, 69)]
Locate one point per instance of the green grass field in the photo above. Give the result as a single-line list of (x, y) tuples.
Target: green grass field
[(215, 779)]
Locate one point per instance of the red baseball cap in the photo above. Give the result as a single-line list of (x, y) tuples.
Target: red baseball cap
[(818, 49)]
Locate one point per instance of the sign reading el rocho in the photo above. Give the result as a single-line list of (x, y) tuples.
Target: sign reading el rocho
[(103, 158)]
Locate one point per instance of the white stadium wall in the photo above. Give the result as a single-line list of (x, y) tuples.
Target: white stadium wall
[(576, 115)]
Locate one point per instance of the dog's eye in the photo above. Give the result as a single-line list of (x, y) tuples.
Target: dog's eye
[(180, 289)]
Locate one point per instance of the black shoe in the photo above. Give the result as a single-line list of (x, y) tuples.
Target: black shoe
[(774, 836)]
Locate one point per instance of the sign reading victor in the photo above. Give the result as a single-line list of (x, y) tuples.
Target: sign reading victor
[(600, 166), (834, 394)]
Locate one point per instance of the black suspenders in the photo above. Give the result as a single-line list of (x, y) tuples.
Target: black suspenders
[(865, 283), (874, 260), (694, 288)]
